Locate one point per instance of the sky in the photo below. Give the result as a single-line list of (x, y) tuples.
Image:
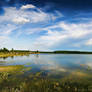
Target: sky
[(46, 24)]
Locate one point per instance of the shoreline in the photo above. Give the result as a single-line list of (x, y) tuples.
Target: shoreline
[(9, 54), (26, 53)]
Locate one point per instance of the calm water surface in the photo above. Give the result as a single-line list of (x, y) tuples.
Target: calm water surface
[(51, 62), (70, 71)]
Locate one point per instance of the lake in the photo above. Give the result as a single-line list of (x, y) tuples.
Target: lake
[(48, 73)]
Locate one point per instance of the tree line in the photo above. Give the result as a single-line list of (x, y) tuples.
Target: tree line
[(4, 50), (12, 50)]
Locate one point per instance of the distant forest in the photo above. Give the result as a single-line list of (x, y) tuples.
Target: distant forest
[(48, 52), (73, 52)]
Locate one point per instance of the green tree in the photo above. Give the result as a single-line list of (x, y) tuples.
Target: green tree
[(5, 50), (12, 50)]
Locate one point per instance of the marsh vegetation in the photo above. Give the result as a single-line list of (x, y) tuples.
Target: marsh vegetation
[(37, 82), (46, 73), (10, 53)]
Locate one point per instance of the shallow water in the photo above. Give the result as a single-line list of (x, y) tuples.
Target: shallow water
[(50, 62), (69, 71)]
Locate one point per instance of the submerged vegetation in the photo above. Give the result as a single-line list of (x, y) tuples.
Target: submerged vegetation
[(21, 79), (10, 68)]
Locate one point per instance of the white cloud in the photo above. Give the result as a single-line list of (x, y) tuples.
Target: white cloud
[(21, 20), (6, 29), (28, 6), (24, 16), (51, 38), (89, 42), (14, 19), (66, 33), (57, 34), (4, 40)]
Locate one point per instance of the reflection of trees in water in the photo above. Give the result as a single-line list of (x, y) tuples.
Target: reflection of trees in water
[(5, 58), (28, 55), (12, 57)]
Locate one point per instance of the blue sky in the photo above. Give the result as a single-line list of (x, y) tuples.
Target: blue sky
[(46, 24)]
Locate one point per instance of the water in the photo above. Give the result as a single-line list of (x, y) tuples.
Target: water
[(55, 62), (62, 68)]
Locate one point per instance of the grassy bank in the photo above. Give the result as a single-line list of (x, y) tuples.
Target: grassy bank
[(11, 54)]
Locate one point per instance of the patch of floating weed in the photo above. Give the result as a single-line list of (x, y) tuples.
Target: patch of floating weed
[(80, 74), (11, 68)]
